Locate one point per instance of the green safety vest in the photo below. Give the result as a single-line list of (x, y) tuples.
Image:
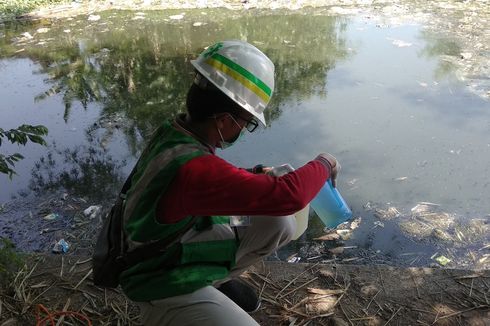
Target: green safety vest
[(206, 253)]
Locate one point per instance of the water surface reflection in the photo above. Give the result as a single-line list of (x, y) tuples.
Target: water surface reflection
[(403, 128)]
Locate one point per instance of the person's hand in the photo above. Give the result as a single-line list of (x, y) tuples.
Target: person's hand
[(266, 169), (332, 164)]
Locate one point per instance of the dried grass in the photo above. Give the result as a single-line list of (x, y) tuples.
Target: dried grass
[(292, 301), (59, 290)]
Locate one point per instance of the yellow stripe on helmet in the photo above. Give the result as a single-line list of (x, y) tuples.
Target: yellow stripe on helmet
[(240, 78)]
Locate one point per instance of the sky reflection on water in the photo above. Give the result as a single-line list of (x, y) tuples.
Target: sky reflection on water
[(383, 100)]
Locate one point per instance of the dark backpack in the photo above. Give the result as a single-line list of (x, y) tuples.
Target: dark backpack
[(111, 256)]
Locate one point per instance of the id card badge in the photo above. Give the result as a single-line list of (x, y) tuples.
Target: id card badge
[(239, 220)]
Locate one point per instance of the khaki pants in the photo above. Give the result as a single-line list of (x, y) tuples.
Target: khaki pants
[(208, 306)]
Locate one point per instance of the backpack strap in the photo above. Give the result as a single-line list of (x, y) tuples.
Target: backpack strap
[(127, 183)]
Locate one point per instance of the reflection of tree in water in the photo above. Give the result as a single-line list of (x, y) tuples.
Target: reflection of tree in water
[(73, 75), (83, 171), (446, 49), (143, 72)]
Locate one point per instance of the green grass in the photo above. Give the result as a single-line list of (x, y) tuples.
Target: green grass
[(10, 262), (10, 9)]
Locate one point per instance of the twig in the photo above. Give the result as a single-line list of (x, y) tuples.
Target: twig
[(90, 300), (342, 295), (328, 314), (488, 287), (450, 294), (410, 307), (379, 306), (65, 308), (392, 316), (61, 269), (363, 318), (262, 288), (471, 289), (275, 303), (90, 311), (300, 302), (367, 308), (83, 279), (474, 275), (459, 313), (416, 287), (345, 314), (28, 275), (381, 279), (40, 294), (294, 279), (265, 279), (347, 260), (299, 287), (467, 286)]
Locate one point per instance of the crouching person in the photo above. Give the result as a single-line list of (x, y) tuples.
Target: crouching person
[(181, 187)]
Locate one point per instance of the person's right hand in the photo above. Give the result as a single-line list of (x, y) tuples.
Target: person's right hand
[(331, 162)]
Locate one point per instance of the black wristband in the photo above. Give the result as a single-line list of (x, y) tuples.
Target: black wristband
[(258, 169)]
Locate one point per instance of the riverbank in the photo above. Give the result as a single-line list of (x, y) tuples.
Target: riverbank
[(11, 9), (90, 6), (292, 294), (63, 8)]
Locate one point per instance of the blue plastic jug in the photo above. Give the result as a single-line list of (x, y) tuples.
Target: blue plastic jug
[(330, 207)]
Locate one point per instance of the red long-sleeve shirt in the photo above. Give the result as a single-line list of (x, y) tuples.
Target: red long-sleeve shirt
[(208, 185)]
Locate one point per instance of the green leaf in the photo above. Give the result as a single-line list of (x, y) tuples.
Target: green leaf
[(17, 156), (37, 139), (3, 166)]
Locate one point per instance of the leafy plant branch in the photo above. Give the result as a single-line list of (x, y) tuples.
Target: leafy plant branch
[(20, 135)]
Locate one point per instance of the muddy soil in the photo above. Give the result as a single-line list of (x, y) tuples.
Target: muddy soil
[(292, 294)]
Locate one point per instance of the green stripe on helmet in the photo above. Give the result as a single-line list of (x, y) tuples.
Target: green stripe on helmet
[(244, 72)]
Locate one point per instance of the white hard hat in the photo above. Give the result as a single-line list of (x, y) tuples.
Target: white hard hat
[(241, 71)]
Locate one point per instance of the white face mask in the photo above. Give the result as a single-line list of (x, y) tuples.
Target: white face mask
[(223, 144)]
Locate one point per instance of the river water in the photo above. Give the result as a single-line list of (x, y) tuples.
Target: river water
[(390, 99)]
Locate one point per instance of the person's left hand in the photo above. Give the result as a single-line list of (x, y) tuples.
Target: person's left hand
[(266, 169)]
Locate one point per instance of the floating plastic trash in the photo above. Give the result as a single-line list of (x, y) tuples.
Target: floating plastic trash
[(294, 259), (61, 247), (443, 260), (93, 18), (51, 217), (92, 211)]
